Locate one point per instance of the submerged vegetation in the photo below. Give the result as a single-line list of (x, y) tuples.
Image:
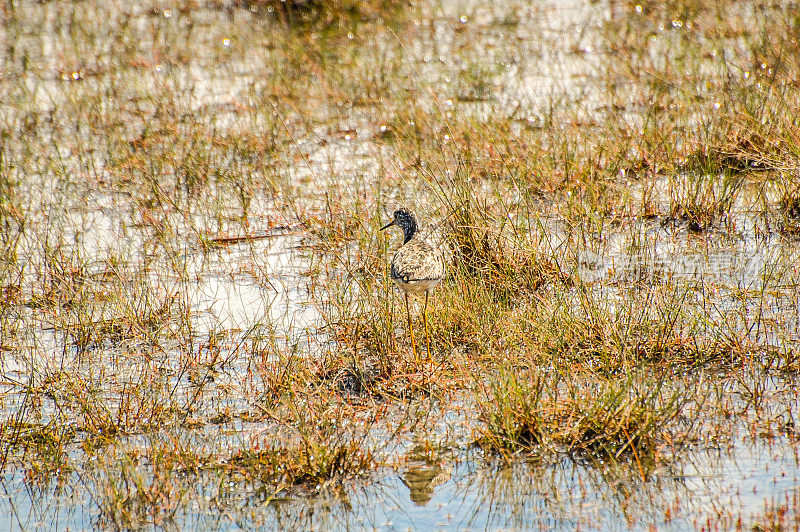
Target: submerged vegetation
[(198, 327)]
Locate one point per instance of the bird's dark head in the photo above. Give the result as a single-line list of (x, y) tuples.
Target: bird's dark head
[(404, 219)]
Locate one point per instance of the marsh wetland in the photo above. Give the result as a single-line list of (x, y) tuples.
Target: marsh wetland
[(197, 324)]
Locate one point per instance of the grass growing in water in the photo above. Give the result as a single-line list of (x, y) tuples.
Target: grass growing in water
[(576, 412)]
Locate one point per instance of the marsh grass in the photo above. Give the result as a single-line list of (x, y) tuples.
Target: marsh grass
[(576, 412), (703, 201), (788, 209), (312, 457), (43, 447), (316, 15)]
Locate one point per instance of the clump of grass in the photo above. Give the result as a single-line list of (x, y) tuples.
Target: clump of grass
[(41, 449), (735, 152), (316, 442), (608, 330), (702, 200), (789, 206), (395, 375), (309, 461), (575, 412), (33, 435), (498, 266), (511, 412), (498, 255), (86, 402), (324, 13)]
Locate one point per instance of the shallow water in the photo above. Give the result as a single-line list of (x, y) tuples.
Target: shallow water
[(720, 488)]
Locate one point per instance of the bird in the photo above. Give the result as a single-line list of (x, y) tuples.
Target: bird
[(417, 267)]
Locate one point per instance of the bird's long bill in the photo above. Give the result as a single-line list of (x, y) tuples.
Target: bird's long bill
[(387, 225)]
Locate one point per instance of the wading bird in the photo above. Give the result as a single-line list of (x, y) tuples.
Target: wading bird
[(417, 267)]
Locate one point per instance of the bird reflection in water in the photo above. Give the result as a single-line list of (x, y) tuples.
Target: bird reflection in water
[(425, 471)]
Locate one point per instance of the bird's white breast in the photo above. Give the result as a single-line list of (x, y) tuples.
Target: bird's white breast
[(416, 287)]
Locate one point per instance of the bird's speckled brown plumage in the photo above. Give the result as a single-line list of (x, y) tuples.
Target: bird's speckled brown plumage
[(417, 266)]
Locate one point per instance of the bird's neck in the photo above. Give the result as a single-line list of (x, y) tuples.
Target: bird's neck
[(409, 231)]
